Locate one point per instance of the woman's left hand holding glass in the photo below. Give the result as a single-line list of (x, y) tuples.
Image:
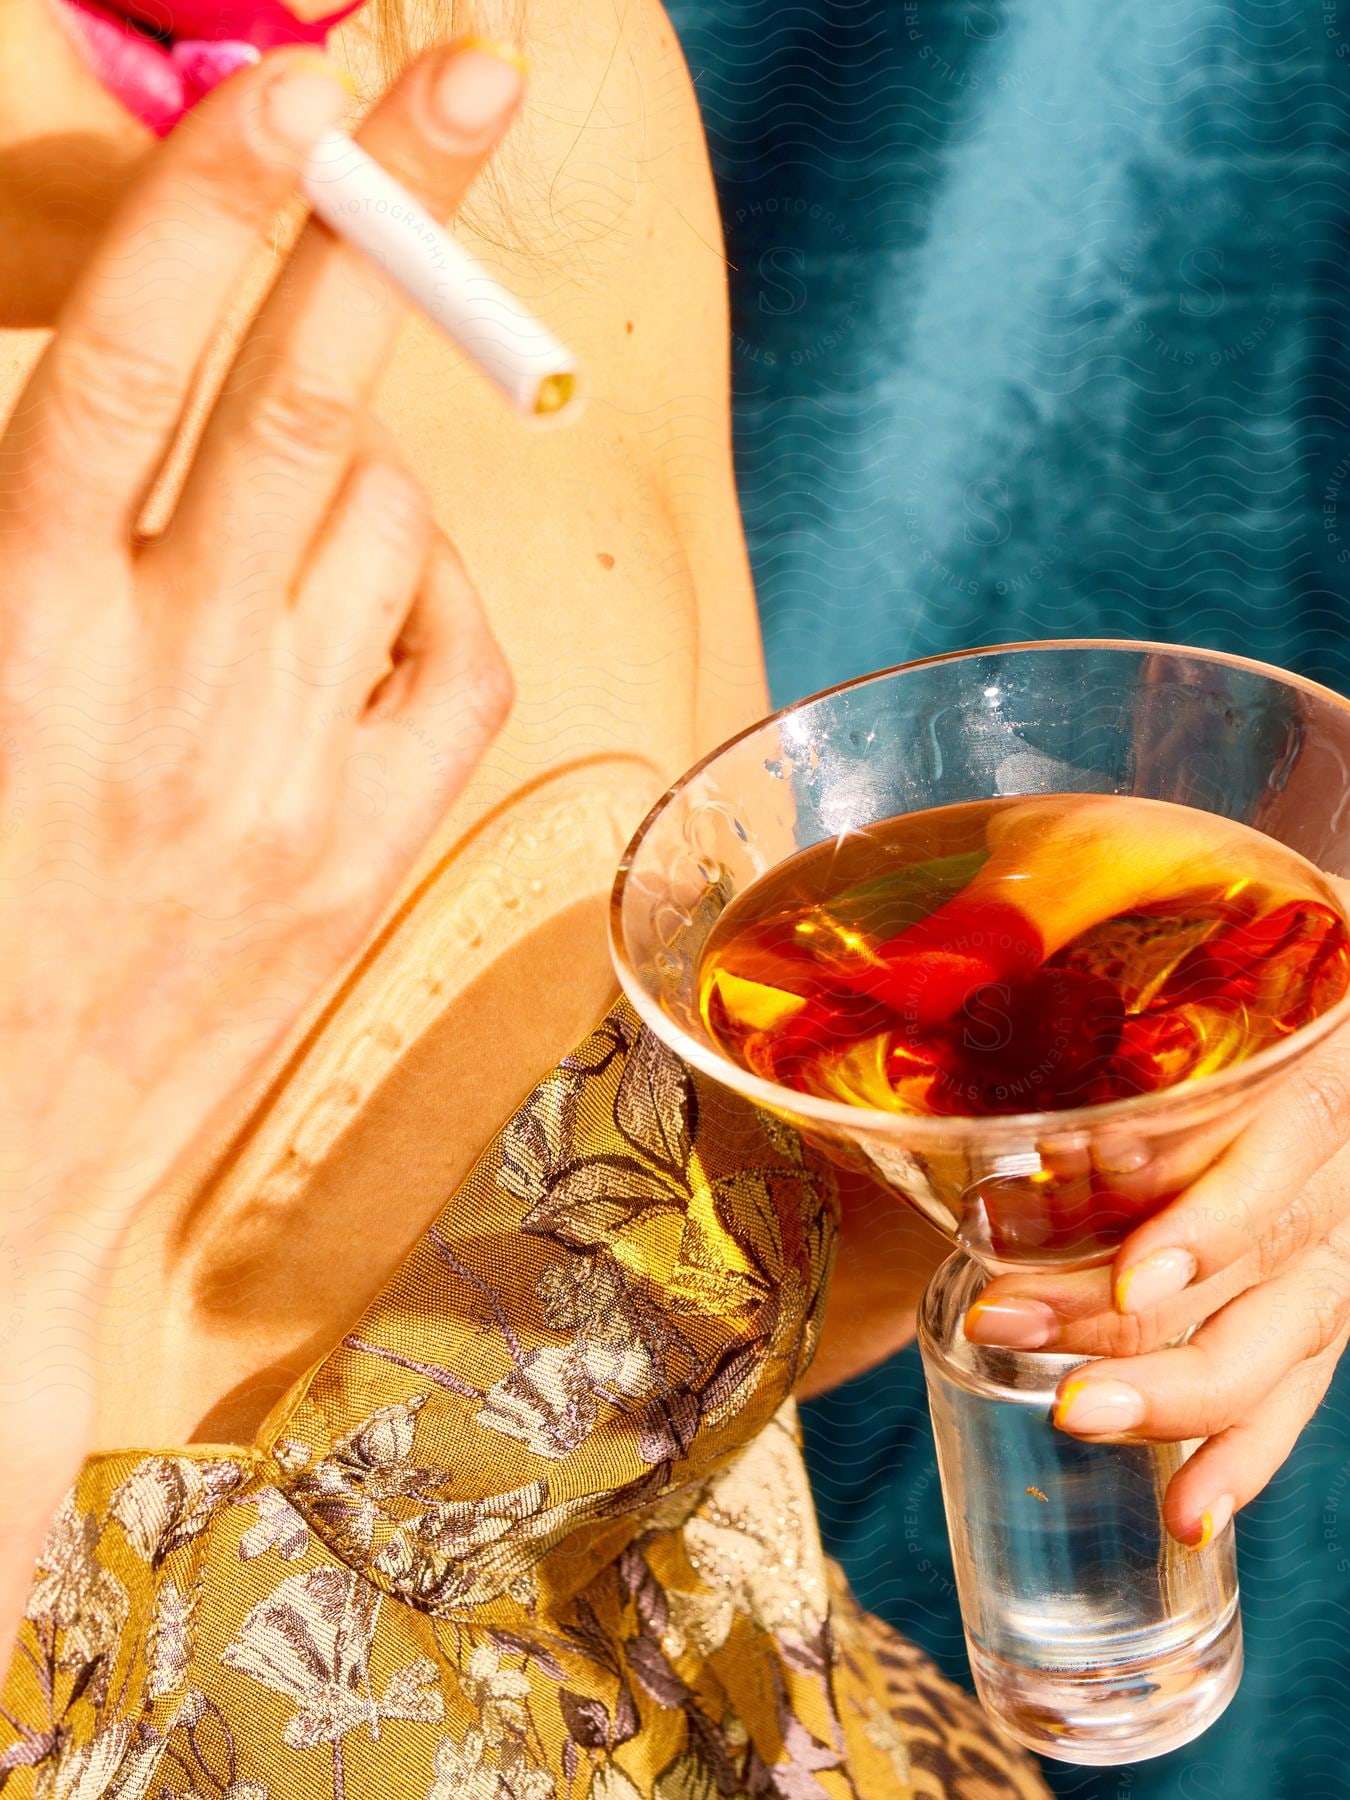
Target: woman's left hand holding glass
[(1255, 1255)]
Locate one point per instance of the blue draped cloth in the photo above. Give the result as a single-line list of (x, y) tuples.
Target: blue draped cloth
[(1040, 318)]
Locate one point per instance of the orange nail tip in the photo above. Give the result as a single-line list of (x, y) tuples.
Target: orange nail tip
[(1213, 1521), (324, 65), (1010, 1324), (1066, 1400), (1155, 1280), (499, 48)]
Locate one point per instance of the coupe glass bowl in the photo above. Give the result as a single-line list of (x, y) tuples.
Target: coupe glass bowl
[(1201, 729)]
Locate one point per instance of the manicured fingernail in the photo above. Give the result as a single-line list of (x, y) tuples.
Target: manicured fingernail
[(1099, 1408), (1013, 1324), (472, 92), (503, 51), (303, 100), (1213, 1521), (1120, 1156), (1153, 1279)]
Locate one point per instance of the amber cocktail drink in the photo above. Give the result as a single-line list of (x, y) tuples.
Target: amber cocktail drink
[(1025, 955), (1029, 934)]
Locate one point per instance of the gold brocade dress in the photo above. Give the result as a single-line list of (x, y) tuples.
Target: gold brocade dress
[(538, 1529)]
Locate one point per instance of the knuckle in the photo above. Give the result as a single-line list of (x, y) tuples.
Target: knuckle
[(1306, 1386), (471, 706), (215, 190), (494, 691), (1324, 1100), (1232, 1214), (394, 507), (110, 385), (1325, 1305), (1295, 1230), (158, 791), (284, 831), (1325, 1296), (1337, 1251), (301, 421), (1108, 1334), (165, 798), (1213, 1406), (272, 849)]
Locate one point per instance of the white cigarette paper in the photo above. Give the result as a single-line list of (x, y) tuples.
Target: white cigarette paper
[(360, 201)]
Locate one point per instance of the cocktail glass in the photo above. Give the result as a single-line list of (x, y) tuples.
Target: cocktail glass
[(1093, 1636)]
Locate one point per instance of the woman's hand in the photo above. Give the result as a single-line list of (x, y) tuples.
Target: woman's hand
[(220, 749), (1259, 1249)]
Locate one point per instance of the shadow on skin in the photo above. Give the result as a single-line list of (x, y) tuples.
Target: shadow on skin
[(56, 194)]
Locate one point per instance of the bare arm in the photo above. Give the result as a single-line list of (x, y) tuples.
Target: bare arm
[(697, 469), (180, 865), (886, 1254)]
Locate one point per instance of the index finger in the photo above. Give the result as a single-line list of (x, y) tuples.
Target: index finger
[(284, 430), (1259, 1199), (101, 408), (1071, 1312)]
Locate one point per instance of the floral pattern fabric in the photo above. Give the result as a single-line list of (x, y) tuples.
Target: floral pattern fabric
[(538, 1529)]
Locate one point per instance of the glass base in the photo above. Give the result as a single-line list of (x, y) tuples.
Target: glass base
[(1123, 1713), (1094, 1636)]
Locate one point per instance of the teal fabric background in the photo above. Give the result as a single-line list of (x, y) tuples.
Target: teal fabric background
[(1040, 315)]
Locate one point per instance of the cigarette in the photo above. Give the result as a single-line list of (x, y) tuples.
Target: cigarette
[(362, 203)]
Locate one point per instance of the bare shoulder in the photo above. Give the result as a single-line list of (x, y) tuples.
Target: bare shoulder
[(601, 212), (625, 199), (608, 182), (601, 201)]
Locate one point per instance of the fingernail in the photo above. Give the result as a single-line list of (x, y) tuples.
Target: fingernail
[(303, 100), (472, 93), (1122, 1156), (1013, 1324), (504, 52), (1161, 1276), (1214, 1521), (1099, 1408)]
